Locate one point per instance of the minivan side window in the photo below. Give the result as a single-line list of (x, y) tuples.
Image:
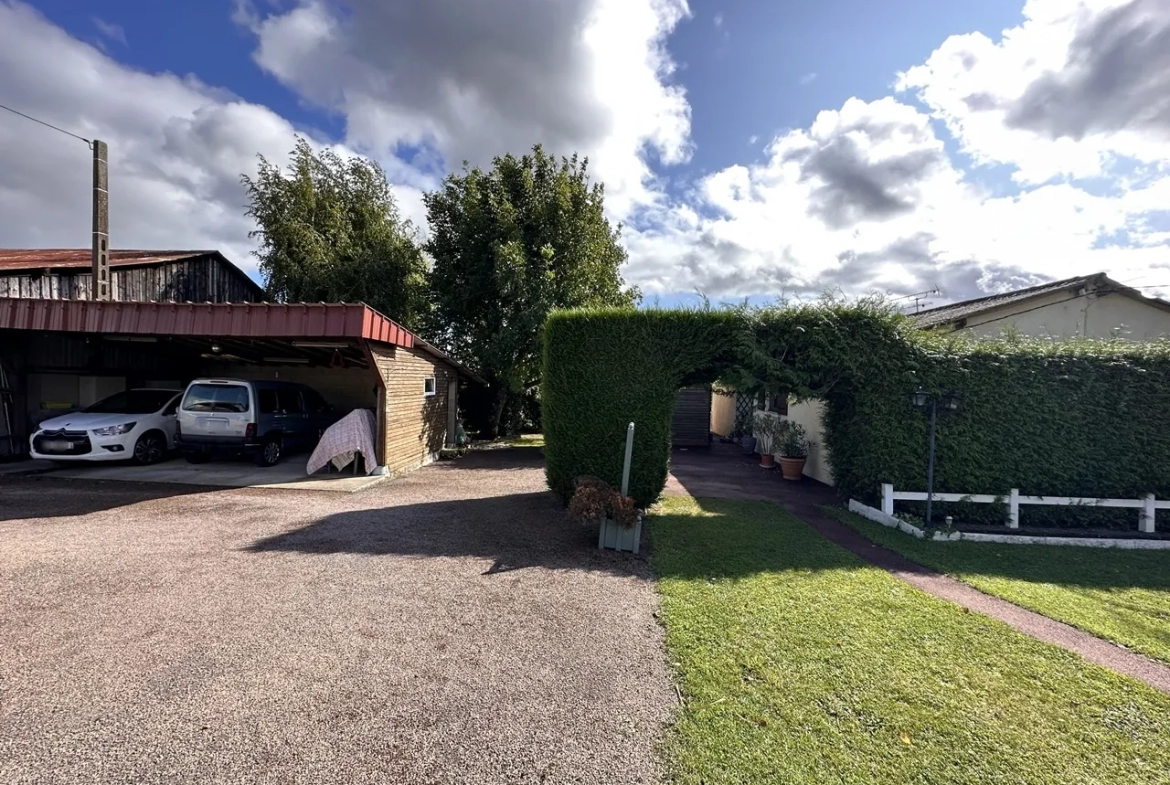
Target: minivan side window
[(267, 401), (290, 401), (313, 401)]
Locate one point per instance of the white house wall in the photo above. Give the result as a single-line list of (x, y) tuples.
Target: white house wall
[(722, 413), (810, 415), (1065, 315)]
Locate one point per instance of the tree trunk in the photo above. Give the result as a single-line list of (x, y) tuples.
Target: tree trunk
[(499, 401)]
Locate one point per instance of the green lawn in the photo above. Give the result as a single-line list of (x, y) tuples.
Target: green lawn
[(798, 663), (526, 440), (1122, 596)]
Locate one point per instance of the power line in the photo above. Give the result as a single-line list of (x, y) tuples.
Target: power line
[(47, 125)]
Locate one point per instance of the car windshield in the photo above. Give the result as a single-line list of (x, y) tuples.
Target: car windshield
[(216, 398), (132, 402)]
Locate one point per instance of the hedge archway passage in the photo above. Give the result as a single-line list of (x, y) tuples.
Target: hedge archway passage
[(1076, 418)]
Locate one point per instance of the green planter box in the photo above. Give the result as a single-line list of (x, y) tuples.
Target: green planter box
[(618, 537)]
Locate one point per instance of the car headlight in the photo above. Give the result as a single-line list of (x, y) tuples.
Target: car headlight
[(115, 430)]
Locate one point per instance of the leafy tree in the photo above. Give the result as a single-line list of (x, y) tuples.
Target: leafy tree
[(330, 231), (508, 246)]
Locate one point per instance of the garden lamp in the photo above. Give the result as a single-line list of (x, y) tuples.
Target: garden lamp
[(923, 399)]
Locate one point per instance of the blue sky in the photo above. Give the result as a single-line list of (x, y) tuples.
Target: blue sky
[(751, 149), (753, 69)]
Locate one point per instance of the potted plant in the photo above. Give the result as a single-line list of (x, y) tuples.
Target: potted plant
[(792, 448), (619, 518), (746, 441), (768, 428)]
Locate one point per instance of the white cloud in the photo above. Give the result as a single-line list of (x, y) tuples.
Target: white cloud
[(808, 78), (1077, 85), (753, 139), (867, 196), (474, 80), (110, 30), (718, 20), (177, 149)]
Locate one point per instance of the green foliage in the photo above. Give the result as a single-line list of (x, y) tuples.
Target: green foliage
[(1076, 418), (509, 246), (768, 429), (606, 368), (330, 231), (1080, 418), (794, 442)]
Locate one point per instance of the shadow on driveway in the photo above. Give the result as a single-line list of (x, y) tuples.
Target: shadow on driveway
[(515, 531), (43, 496)]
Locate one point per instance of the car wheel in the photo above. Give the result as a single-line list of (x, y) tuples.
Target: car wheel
[(197, 457), (269, 454), (151, 447)]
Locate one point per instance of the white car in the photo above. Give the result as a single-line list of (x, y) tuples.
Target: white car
[(138, 425)]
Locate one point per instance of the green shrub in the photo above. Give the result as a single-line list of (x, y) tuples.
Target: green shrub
[(604, 369), (1080, 418), (1075, 418)]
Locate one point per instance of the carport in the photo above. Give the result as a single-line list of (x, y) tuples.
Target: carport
[(64, 354)]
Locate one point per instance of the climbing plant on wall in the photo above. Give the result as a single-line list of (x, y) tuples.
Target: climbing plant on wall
[(1082, 418)]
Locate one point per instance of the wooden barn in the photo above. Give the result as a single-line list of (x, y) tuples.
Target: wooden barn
[(135, 276)]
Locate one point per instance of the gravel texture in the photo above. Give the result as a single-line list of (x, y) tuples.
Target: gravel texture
[(450, 626)]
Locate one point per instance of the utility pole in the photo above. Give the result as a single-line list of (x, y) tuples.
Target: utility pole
[(101, 221)]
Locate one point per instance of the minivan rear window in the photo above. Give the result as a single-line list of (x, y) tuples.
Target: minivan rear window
[(216, 398)]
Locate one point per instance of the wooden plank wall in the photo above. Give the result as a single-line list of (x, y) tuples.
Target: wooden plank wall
[(416, 425), (690, 424), (196, 279), (345, 388)]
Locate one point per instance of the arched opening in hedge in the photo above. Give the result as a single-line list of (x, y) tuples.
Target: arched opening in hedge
[(1079, 418)]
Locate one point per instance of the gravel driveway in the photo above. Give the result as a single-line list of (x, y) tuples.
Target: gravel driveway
[(450, 626)]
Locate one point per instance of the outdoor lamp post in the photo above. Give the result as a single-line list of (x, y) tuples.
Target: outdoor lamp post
[(922, 399)]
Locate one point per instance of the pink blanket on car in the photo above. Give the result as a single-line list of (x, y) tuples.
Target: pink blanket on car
[(342, 441)]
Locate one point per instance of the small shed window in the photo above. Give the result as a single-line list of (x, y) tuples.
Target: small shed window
[(429, 386)]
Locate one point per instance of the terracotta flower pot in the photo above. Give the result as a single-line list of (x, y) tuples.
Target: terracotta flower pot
[(767, 461), (792, 468)]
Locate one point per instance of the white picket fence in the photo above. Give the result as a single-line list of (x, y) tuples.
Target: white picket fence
[(1147, 506)]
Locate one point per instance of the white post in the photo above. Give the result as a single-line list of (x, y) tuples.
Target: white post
[(1146, 520), (1013, 521), (887, 498), (626, 465)]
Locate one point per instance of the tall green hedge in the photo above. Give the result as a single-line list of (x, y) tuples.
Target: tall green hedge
[(1081, 418), (1078, 418), (604, 369)]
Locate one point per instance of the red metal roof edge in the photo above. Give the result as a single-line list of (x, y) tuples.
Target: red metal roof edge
[(356, 321), (241, 320)]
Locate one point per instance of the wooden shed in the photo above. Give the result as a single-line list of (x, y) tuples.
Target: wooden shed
[(135, 276), (690, 425)]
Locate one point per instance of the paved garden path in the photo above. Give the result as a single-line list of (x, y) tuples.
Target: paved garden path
[(450, 626), (722, 472)]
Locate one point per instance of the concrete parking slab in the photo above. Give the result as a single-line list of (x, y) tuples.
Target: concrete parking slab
[(289, 474), (12, 468)]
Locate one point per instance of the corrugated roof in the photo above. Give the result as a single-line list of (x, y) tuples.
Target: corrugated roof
[(946, 314), (354, 321), (241, 320), (42, 258)]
